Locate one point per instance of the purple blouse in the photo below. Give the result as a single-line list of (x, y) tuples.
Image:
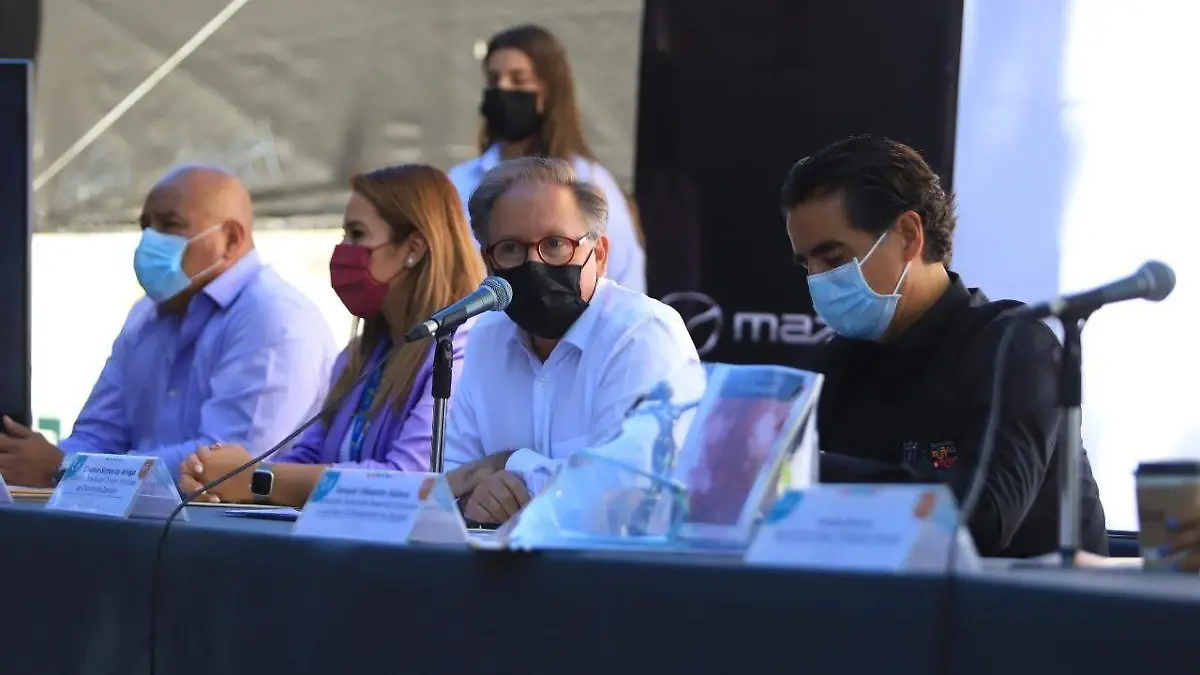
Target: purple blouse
[(394, 439)]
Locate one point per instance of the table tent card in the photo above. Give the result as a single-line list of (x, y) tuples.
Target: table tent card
[(121, 486), (880, 528), (5, 497), (388, 507)]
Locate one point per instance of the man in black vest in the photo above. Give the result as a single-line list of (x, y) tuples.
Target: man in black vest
[(909, 375)]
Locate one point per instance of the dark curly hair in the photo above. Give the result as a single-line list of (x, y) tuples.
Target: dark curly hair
[(878, 179)]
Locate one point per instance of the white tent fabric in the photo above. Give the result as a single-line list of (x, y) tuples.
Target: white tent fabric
[(297, 95)]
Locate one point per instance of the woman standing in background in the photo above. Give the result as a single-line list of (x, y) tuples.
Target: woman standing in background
[(529, 108)]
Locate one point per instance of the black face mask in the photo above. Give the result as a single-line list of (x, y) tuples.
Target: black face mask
[(546, 300), (511, 115)]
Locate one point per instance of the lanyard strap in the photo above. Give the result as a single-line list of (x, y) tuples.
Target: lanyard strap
[(358, 425)]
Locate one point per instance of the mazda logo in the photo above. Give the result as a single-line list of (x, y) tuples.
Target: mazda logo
[(702, 316)]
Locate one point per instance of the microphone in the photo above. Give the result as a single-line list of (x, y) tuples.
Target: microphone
[(493, 295), (1153, 281), (155, 579)]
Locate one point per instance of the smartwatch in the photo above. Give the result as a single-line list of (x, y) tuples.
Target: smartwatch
[(262, 482)]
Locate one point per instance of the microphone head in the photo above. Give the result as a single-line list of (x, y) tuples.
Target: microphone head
[(503, 292), (1159, 279)]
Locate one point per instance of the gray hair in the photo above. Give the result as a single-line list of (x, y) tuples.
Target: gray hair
[(536, 171)]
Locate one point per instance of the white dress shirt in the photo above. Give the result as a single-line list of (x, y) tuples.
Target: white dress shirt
[(626, 259), (508, 399)]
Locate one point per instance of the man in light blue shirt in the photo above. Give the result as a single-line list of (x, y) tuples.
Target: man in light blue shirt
[(221, 349)]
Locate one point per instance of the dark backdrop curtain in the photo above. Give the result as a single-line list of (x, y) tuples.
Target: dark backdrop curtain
[(731, 94)]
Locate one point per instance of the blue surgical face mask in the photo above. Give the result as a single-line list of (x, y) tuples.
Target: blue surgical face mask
[(847, 303), (158, 263)]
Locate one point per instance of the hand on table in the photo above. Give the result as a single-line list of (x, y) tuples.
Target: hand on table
[(210, 463), (497, 498), (467, 477), (26, 457)]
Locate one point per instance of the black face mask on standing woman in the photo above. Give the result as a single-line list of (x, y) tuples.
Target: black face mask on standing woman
[(511, 115), (546, 300)]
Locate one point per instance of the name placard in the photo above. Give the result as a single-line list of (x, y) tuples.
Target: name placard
[(389, 507), (120, 486), (5, 497), (883, 528)]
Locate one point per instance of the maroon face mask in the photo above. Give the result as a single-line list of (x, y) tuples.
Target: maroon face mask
[(350, 276)]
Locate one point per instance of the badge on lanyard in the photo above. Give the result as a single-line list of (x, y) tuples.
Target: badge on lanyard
[(358, 425)]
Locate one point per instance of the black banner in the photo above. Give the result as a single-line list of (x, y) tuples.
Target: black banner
[(286, 94), (20, 29), (16, 92), (732, 94)]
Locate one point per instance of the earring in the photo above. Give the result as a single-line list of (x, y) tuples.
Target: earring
[(411, 261)]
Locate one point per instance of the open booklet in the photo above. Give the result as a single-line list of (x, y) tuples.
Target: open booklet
[(694, 461)]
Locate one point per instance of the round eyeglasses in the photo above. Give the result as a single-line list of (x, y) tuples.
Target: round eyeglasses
[(555, 251)]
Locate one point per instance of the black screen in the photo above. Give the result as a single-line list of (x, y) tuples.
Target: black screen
[(16, 79)]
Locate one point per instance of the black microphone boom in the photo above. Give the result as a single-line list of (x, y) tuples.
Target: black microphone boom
[(1153, 281), (493, 295)]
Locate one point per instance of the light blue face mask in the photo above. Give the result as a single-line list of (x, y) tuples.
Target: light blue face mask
[(847, 303), (158, 263)]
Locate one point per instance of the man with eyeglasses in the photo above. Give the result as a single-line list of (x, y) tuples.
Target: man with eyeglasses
[(556, 372)]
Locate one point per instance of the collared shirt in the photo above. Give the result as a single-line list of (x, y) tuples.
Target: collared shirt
[(914, 410), (396, 438), (508, 399), (246, 363), (626, 259)]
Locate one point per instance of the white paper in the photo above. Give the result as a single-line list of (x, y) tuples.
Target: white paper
[(880, 528), (391, 507)]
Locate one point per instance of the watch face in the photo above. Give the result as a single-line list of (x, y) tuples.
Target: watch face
[(260, 482)]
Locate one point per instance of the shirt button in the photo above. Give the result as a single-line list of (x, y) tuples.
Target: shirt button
[(542, 380), (173, 392)]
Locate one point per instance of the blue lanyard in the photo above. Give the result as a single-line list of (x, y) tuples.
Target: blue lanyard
[(358, 425)]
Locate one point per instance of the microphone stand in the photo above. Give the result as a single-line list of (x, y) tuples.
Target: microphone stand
[(443, 377), (1070, 456)]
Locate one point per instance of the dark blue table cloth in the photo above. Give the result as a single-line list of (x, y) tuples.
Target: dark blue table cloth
[(243, 596)]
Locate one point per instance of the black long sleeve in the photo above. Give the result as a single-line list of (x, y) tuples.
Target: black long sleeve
[(915, 410)]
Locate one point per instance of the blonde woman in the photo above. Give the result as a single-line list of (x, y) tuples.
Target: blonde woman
[(407, 252)]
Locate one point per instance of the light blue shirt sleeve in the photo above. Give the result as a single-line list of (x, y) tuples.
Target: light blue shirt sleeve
[(268, 377), (267, 382), (466, 177), (101, 426)]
